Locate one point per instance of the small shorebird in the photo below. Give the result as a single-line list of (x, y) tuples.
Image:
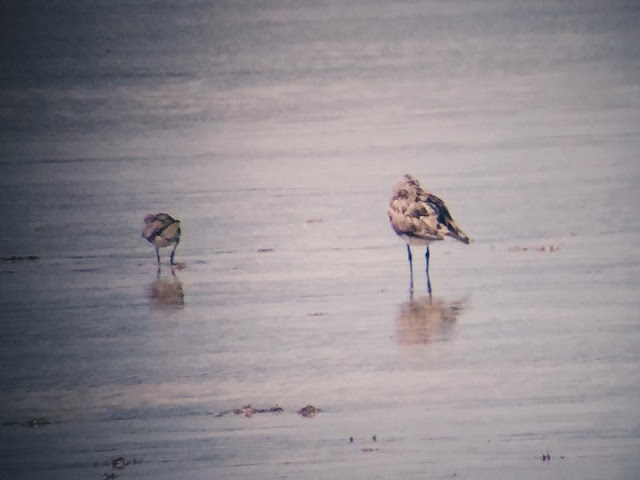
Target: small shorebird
[(162, 230), (419, 218)]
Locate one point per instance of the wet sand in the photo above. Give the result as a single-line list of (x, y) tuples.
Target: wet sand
[(293, 289), (520, 353)]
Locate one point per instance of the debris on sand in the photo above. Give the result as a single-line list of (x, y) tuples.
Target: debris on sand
[(541, 248), (116, 464), (274, 409), (35, 422), (309, 411), (374, 439), (249, 411), (119, 463)]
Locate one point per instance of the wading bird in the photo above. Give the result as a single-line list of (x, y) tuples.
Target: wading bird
[(162, 230), (419, 218)]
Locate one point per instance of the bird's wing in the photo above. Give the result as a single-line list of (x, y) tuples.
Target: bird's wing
[(163, 225), (446, 225), (171, 232), (415, 218), (152, 229)]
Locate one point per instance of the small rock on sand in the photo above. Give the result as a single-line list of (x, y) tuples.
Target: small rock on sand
[(309, 411)]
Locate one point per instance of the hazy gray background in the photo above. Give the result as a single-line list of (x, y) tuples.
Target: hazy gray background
[(275, 131)]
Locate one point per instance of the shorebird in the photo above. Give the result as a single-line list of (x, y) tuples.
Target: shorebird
[(162, 230), (419, 218)]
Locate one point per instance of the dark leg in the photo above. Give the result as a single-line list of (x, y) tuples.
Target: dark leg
[(173, 252), (158, 258), (410, 257), (426, 256)]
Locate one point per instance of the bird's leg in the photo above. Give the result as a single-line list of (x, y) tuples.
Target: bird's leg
[(426, 256), (173, 252), (158, 258), (410, 257)]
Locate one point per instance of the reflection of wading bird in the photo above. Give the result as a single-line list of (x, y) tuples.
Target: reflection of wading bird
[(419, 218), (162, 230), (427, 319), (166, 292)]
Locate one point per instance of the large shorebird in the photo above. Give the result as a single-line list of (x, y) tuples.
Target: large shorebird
[(419, 218), (162, 230)]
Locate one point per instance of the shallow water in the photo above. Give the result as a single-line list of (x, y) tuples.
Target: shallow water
[(274, 133)]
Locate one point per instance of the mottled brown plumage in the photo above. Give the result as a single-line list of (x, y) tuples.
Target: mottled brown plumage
[(162, 230), (419, 218)]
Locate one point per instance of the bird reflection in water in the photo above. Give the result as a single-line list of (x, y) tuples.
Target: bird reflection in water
[(166, 291), (426, 319)]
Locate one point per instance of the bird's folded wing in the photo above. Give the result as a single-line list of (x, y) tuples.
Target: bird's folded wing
[(162, 225), (152, 229), (416, 219), (446, 224), (171, 232)]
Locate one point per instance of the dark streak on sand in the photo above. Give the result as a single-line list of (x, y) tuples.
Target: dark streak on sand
[(20, 258), (35, 422)]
